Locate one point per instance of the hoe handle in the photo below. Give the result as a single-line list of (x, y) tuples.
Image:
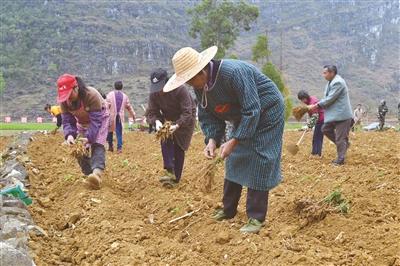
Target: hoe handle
[(301, 138)]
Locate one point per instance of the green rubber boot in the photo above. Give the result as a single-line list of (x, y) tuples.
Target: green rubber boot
[(219, 215), (167, 177), (253, 226)]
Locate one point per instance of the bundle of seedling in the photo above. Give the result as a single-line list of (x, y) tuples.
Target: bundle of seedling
[(299, 111), (313, 211), (165, 132), (78, 149), (208, 173)]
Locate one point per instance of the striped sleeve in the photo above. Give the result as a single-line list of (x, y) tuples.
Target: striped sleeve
[(245, 87), (212, 127)]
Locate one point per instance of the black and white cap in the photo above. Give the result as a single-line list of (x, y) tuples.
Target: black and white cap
[(158, 79)]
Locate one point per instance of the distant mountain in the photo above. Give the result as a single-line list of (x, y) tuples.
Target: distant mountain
[(111, 40)]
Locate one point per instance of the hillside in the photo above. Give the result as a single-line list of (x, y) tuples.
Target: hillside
[(107, 41)]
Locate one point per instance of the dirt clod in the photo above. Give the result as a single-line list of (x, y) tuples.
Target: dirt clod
[(223, 238)]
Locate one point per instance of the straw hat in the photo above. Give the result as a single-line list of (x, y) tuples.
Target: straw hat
[(188, 63)]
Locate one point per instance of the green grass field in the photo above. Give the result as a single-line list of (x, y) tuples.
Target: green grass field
[(27, 126), (16, 127), (293, 126)]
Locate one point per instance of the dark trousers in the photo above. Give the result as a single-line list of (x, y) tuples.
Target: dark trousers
[(118, 132), (59, 120), (151, 128), (173, 157), (96, 160), (318, 139), (338, 133), (256, 202), (381, 122)]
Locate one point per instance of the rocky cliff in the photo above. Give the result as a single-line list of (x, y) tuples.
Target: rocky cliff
[(109, 40)]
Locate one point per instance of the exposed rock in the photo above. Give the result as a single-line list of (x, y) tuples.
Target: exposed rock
[(13, 256)]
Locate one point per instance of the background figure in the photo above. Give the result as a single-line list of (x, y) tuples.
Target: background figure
[(179, 108), (55, 111), (151, 125), (338, 114), (118, 102), (316, 120), (382, 110), (358, 116), (398, 113)]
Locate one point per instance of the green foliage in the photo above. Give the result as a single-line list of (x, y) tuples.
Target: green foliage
[(68, 177), (2, 83), (219, 23), (261, 50), (335, 198), (274, 74), (125, 163), (52, 68), (233, 56)]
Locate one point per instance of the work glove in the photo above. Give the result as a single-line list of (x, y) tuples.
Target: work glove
[(158, 125), (70, 140), (84, 141), (173, 128)]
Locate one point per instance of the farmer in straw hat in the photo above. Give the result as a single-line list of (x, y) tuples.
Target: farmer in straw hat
[(235, 91), (176, 106), (84, 113)]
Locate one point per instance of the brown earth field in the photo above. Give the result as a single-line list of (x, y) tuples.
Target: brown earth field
[(4, 140), (128, 221)]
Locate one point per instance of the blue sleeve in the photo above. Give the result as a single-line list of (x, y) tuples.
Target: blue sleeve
[(212, 127), (334, 93), (245, 87), (69, 125)]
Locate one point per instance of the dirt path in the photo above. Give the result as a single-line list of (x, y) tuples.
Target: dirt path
[(127, 221)]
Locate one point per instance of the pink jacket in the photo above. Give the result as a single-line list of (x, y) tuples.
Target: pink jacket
[(113, 110), (320, 111)]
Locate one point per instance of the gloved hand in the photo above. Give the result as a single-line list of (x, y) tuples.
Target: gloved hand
[(84, 141), (173, 128), (70, 140), (158, 125)]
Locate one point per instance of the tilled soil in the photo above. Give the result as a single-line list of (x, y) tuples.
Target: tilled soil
[(127, 222), (4, 141)]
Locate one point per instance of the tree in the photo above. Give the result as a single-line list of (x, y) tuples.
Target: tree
[(233, 56), (261, 50), (219, 23), (275, 75)]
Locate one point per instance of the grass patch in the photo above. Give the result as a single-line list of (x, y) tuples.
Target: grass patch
[(39, 126), (27, 126), (293, 126), (51, 126)]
